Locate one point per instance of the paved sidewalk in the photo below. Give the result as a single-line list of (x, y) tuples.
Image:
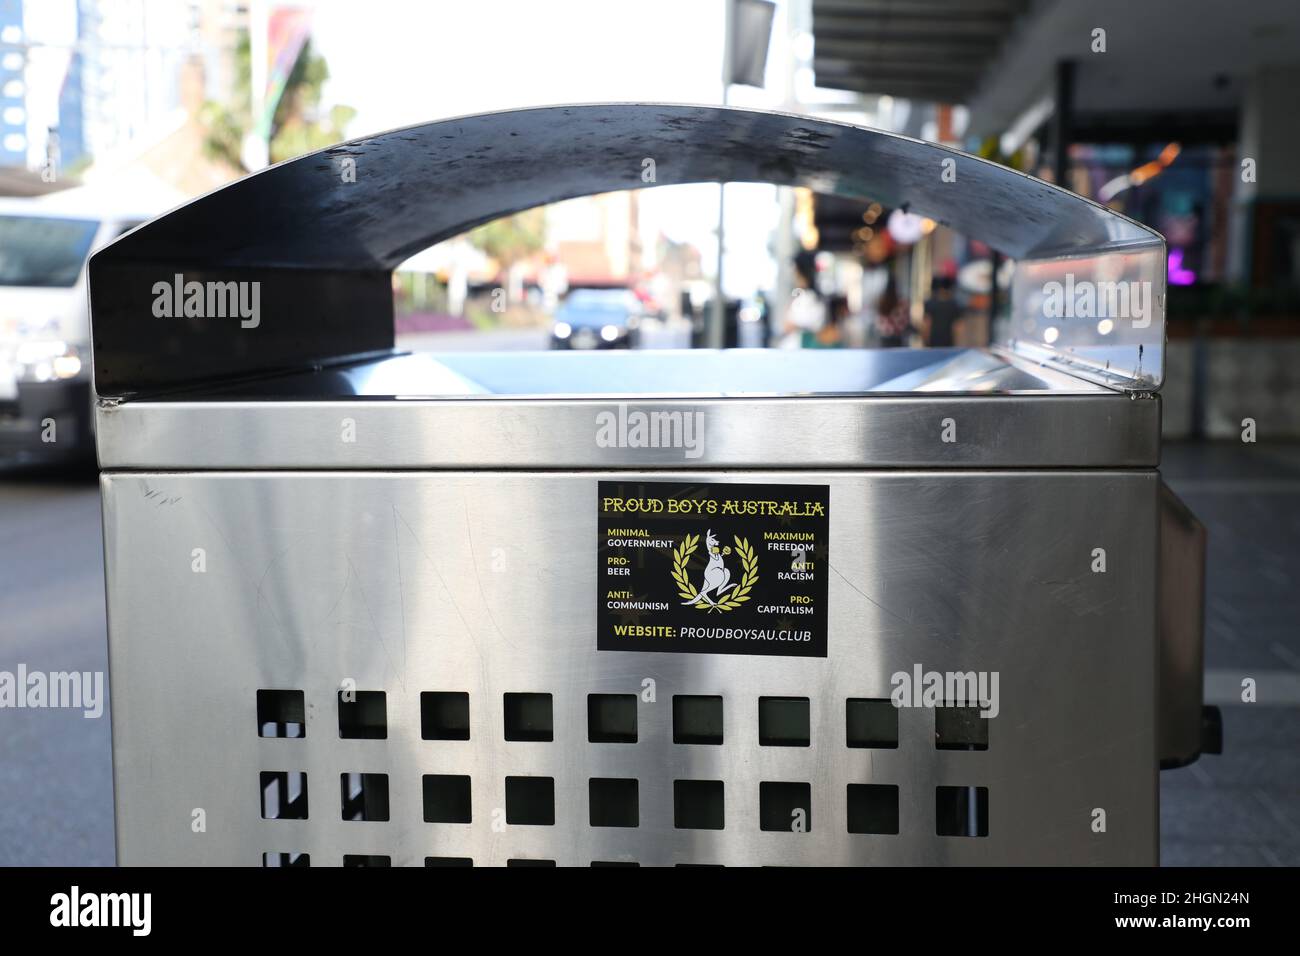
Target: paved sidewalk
[(1243, 807), (56, 770)]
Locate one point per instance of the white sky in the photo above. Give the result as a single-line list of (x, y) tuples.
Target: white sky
[(399, 63), (406, 62)]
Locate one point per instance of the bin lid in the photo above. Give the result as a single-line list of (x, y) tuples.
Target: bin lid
[(290, 268), (739, 408)]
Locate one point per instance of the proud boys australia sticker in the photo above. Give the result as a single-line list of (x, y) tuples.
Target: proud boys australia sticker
[(712, 568)]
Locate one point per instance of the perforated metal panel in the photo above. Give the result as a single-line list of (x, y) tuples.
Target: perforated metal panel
[(487, 728)]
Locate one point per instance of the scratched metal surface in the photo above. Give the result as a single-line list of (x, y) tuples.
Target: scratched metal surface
[(486, 584), (417, 185), (1016, 431), (664, 373)]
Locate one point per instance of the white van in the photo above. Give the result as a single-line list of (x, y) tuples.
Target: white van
[(46, 401)]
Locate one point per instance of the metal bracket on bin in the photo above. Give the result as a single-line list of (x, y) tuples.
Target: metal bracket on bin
[(1187, 728)]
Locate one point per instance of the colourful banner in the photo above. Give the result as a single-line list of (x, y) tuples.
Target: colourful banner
[(287, 32)]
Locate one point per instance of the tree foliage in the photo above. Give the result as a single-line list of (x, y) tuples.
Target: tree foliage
[(512, 238), (297, 127)]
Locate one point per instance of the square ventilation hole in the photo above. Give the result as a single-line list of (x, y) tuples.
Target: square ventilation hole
[(697, 720), (446, 798), (783, 722), (614, 802), (286, 859), (530, 863), (359, 859), (530, 801), (444, 715), (962, 811), (698, 805), (611, 718), (281, 713), (871, 722), (364, 796), (529, 717), (365, 716), (960, 728), (448, 861), (785, 807), (284, 795), (873, 807)]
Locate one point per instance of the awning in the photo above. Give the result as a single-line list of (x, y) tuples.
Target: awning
[(932, 50)]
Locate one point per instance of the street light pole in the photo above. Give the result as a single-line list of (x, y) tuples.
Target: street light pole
[(717, 315), (256, 148)]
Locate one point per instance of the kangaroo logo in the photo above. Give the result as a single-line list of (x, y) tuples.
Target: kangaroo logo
[(716, 575), (717, 591)]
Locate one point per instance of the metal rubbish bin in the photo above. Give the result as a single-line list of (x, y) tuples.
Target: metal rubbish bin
[(738, 607)]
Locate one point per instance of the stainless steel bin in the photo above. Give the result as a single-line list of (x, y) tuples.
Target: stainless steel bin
[(740, 607)]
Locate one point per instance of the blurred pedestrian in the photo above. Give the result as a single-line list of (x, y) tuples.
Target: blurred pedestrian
[(893, 320), (942, 313), (807, 309), (831, 334)]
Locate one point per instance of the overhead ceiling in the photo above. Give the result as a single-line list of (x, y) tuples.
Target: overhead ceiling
[(917, 49), (999, 56)]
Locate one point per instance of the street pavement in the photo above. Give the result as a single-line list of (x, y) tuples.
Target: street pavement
[(1243, 807), (56, 784)]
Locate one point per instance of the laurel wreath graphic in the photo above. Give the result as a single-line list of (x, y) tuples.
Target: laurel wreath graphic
[(733, 598)]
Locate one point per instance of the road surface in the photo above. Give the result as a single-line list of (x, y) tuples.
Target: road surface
[(56, 785)]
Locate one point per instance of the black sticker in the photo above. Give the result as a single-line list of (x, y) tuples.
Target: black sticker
[(712, 568)]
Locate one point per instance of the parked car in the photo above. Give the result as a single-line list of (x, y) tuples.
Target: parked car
[(46, 400), (596, 319)]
